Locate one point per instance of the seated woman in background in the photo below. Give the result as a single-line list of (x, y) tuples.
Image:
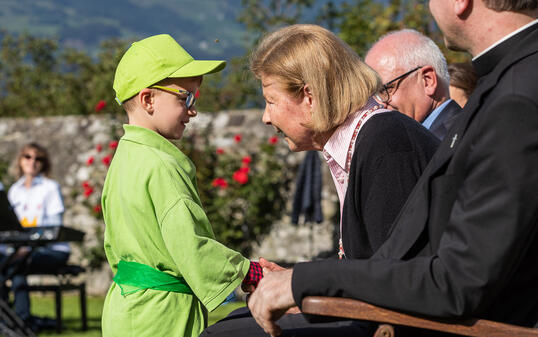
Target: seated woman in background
[(37, 201), (462, 82)]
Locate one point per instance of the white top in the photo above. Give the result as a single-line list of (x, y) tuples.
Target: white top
[(39, 205)]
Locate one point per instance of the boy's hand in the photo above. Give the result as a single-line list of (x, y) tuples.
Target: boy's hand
[(269, 266)]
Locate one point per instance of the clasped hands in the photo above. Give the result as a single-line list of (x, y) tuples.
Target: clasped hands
[(272, 298)]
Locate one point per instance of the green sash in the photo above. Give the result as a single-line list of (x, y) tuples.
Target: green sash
[(133, 276)]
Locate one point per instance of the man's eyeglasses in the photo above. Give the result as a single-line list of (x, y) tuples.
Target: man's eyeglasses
[(191, 98), (384, 94), (28, 156)]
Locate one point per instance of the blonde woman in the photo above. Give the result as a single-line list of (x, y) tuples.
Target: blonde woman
[(321, 96), (37, 201)]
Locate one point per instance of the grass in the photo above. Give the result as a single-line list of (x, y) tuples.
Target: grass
[(43, 305)]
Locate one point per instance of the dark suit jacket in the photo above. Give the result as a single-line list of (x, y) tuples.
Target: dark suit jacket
[(466, 241), (445, 120), (391, 152)]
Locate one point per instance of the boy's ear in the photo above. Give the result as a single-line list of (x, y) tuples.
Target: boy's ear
[(146, 98)]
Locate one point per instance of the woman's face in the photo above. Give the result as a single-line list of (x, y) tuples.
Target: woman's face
[(289, 115), (31, 162)]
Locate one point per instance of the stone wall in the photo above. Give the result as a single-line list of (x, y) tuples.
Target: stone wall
[(71, 140)]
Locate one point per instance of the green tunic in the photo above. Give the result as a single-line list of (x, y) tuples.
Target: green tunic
[(154, 216)]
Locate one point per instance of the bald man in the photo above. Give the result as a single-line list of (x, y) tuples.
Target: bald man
[(415, 77)]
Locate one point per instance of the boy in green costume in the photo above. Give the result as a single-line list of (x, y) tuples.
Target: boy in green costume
[(169, 269)]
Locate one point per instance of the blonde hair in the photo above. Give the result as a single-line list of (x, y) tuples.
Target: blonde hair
[(340, 81)]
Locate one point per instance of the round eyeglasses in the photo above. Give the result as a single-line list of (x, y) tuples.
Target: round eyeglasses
[(383, 95), (191, 98)]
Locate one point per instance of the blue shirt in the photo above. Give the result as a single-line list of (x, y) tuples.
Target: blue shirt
[(434, 114)]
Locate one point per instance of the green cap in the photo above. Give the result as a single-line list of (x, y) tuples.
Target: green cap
[(153, 59)]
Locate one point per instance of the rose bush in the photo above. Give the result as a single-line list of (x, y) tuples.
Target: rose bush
[(243, 191), (97, 162)]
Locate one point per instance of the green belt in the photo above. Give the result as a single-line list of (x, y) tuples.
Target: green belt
[(133, 276)]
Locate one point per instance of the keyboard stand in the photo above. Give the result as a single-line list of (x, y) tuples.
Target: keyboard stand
[(10, 324)]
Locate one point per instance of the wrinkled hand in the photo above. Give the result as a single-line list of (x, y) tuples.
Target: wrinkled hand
[(269, 266), (271, 300)]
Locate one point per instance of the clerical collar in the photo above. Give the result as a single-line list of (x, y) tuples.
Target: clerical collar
[(489, 58)]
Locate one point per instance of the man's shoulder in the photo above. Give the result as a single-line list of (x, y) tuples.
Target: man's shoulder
[(518, 70), (521, 77)]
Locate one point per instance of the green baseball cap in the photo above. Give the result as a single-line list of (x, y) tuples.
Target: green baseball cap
[(153, 59)]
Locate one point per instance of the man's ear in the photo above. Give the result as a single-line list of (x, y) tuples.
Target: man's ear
[(461, 6), (146, 98), (429, 80)]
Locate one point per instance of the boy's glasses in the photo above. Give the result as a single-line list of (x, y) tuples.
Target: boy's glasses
[(28, 156), (386, 90), (191, 98)]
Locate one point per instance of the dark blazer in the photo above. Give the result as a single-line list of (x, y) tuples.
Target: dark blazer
[(445, 120), (466, 240), (391, 152)]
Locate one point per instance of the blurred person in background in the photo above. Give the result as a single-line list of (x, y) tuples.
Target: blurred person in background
[(37, 201), (462, 81)]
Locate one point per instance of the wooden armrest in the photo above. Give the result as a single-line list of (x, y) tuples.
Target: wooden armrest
[(354, 309)]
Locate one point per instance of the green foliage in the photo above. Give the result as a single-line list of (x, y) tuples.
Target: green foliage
[(38, 78), (98, 163), (236, 87), (4, 177), (243, 192), (233, 88), (263, 16), (361, 22)]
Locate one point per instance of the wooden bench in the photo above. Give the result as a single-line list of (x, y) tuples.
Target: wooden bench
[(65, 282), (354, 309)]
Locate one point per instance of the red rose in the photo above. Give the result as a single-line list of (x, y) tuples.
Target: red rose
[(237, 138), (98, 147), (241, 177), (246, 160), (85, 184), (88, 191), (220, 182), (97, 209), (106, 160), (113, 144), (244, 169), (100, 106), (220, 151), (90, 160), (273, 140)]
